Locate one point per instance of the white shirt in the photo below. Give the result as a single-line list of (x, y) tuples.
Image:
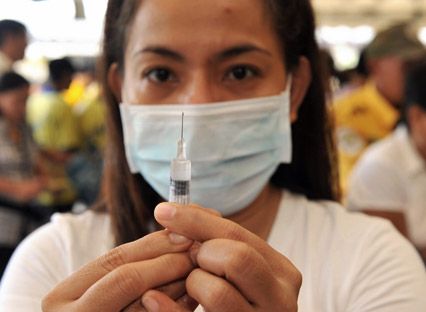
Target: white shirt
[(391, 176), (349, 262)]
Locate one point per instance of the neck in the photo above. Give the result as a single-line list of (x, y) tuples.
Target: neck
[(259, 216), (6, 53)]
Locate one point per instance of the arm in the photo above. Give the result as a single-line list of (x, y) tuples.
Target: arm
[(21, 190)]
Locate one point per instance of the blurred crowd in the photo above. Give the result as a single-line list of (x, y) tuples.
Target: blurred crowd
[(52, 135), (379, 109), (51, 140)]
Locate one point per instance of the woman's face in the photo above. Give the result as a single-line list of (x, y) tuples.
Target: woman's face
[(192, 51), (12, 104)]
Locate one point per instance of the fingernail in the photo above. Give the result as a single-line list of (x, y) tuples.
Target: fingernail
[(178, 239), (150, 304), (165, 211)]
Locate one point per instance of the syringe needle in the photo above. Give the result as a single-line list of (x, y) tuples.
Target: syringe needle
[(181, 128)]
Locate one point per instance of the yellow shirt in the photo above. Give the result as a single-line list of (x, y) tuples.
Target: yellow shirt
[(91, 111), (55, 128), (362, 118), (54, 124)]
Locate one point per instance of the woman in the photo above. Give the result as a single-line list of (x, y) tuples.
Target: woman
[(159, 52), (19, 182)]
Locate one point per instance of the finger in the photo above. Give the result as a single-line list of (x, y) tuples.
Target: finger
[(148, 247), (187, 302), (174, 290), (201, 226), (241, 265), (176, 217), (215, 293), (211, 211), (156, 301), (128, 282), (135, 306)]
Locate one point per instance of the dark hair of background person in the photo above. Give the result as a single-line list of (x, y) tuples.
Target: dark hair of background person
[(360, 70), (129, 198), (10, 27), (59, 68), (415, 91), (10, 81)]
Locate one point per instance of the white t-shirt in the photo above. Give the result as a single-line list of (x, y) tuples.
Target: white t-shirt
[(391, 176), (349, 262)]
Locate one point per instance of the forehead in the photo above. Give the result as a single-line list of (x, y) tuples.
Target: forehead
[(208, 21)]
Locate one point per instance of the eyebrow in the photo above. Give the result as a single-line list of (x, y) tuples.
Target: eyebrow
[(241, 49), (223, 55), (163, 51)]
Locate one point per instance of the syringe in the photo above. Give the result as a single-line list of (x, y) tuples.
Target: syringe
[(180, 174)]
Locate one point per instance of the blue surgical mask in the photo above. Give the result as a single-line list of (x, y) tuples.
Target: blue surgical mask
[(234, 146)]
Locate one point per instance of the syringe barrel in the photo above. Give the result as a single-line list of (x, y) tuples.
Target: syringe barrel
[(179, 192), (180, 177), (180, 170)]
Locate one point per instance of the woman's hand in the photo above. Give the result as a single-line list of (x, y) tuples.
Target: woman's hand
[(116, 281), (237, 271)]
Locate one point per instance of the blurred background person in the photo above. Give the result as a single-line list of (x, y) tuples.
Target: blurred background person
[(353, 78), (85, 168), (13, 42), (371, 112), (390, 179), (56, 132), (20, 181)]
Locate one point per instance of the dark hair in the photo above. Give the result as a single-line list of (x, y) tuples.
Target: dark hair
[(415, 91), (130, 200), (12, 81), (59, 68), (10, 27)]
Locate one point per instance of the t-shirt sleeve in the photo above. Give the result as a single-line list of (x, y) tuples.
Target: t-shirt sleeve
[(35, 268), (388, 275), (375, 185)]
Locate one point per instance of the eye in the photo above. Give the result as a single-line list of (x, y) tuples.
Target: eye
[(159, 75), (242, 72)]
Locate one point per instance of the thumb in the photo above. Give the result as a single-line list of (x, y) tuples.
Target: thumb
[(156, 301)]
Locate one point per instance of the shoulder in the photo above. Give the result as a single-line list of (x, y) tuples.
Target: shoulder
[(379, 177), (316, 219), (49, 255), (74, 239), (323, 216), (386, 150), (364, 258), (383, 160)]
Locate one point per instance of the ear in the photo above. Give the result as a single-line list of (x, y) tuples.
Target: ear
[(301, 80), (115, 81)]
